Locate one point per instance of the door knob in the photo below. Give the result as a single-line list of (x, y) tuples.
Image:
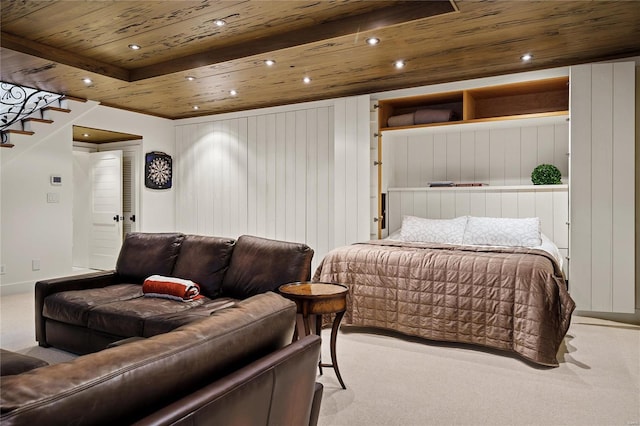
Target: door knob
[(118, 218), (132, 218)]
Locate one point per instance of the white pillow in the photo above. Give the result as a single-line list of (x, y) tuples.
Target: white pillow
[(502, 231), (448, 231)]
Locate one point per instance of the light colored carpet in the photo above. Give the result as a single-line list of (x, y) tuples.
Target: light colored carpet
[(394, 380)]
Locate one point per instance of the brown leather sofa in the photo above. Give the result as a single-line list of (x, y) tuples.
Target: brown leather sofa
[(234, 367), (87, 313)]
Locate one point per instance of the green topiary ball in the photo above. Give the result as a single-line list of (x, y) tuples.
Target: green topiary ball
[(546, 174)]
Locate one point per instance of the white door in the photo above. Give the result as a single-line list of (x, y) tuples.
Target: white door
[(105, 236)]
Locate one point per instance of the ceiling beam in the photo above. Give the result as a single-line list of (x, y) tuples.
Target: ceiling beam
[(61, 56), (399, 13), (381, 18)]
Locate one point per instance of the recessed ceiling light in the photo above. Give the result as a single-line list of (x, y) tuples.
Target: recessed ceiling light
[(220, 22), (86, 135), (306, 80), (87, 80), (134, 47), (190, 78), (269, 62), (526, 57), (399, 64), (196, 107), (233, 92), (372, 41)]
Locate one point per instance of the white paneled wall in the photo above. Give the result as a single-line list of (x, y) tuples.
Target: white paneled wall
[(499, 156), (603, 187), (548, 202), (351, 165), (297, 175)]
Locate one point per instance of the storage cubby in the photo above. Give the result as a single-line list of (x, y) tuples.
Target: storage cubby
[(517, 100), (533, 97), (440, 101)]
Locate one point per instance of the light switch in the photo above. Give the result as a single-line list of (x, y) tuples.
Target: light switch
[(53, 197)]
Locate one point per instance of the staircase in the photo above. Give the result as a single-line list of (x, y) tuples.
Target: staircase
[(22, 107)]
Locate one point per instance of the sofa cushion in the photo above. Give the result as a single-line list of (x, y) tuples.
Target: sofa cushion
[(164, 323), (127, 318), (259, 265), (204, 260), (14, 363), (146, 254), (73, 307)]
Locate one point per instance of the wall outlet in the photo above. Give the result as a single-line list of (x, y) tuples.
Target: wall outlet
[(53, 197), (35, 265)]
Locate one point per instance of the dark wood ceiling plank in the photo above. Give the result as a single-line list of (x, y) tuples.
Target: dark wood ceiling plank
[(15, 11), (142, 23), (484, 39), (245, 22), (377, 19), (50, 53)]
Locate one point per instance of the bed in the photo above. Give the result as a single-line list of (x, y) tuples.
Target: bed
[(494, 282)]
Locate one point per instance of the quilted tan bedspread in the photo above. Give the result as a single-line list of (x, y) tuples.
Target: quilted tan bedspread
[(512, 299)]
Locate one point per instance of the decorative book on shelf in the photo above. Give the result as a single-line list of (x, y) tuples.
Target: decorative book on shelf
[(448, 183), (470, 184)]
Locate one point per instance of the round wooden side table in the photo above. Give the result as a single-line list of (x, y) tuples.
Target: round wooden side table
[(318, 298)]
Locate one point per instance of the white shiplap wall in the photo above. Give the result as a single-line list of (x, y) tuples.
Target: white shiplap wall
[(296, 174), (548, 202), (602, 186), (494, 156)]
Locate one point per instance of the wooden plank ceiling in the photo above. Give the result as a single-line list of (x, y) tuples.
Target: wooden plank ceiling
[(53, 45)]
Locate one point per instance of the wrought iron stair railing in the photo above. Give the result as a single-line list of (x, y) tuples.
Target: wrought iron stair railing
[(19, 103)]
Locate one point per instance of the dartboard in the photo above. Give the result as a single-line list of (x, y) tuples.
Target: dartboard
[(157, 170)]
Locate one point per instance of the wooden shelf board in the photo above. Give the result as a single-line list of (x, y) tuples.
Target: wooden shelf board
[(523, 188), (504, 121)]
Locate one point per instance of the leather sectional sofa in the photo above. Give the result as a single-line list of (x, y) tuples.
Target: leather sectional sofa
[(234, 367), (87, 313)]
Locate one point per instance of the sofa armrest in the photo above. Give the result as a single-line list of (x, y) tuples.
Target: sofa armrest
[(277, 389), (315, 407), (45, 288)]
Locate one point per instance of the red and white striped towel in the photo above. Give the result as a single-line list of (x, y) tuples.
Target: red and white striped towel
[(171, 288)]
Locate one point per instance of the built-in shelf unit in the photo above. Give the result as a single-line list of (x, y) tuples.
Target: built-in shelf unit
[(532, 99), (498, 135), (541, 103)]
